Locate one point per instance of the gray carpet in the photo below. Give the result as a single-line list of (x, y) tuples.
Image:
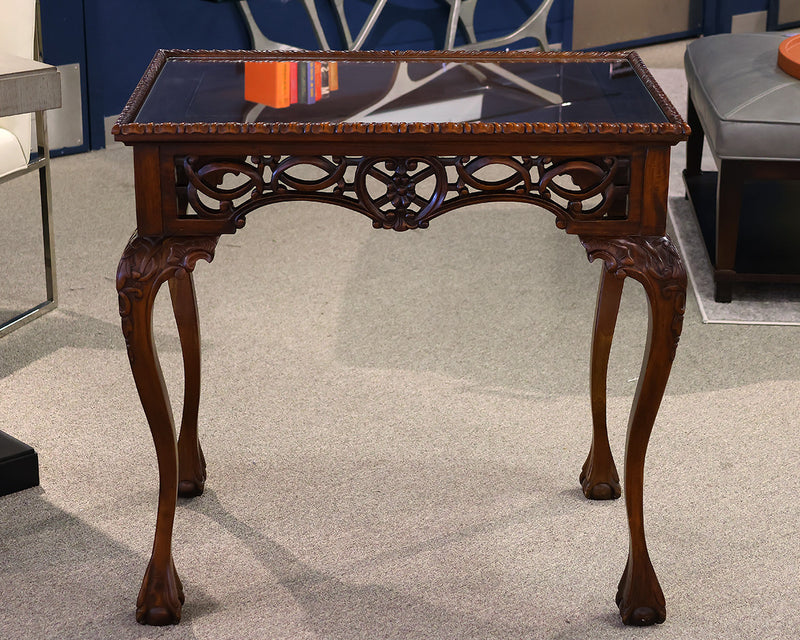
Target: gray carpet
[(394, 426)]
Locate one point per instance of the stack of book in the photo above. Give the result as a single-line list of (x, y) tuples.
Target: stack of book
[(280, 84)]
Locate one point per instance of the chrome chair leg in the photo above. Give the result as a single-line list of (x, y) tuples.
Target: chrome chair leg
[(311, 9), (259, 41), (534, 27), (462, 11), (372, 18), (348, 37), (452, 24), (42, 166)]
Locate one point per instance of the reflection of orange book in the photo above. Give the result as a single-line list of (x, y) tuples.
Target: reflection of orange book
[(326, 88), (268, 83), (293, 82), (333, 75), (317, 80), (305, 83)]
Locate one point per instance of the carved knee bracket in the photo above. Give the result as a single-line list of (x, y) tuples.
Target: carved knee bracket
[(653, 261), (148, 262)]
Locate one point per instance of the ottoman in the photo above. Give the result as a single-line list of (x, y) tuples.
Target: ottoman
[(749, 111)]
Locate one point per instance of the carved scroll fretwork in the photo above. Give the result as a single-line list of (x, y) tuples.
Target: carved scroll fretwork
[(403, 193)]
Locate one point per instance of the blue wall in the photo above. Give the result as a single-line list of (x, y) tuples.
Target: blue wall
[(64, 43), (114, 40)]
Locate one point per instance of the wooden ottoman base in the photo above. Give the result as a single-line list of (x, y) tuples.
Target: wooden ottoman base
[(748, 212)]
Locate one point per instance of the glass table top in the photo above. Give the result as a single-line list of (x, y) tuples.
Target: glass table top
[(216, 91)]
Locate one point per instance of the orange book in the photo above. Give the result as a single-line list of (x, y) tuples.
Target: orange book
[(268, 83)]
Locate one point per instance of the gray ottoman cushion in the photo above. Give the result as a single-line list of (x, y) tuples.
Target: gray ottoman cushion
[(749, 108)]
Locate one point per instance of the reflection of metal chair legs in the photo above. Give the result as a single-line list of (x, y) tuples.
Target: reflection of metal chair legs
[(534, 27), (403, 84), (262, 43), (544, 94)]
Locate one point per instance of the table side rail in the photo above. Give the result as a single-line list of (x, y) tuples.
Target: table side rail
[(167, 201)]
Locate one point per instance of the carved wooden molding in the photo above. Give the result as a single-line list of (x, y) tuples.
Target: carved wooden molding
[(330, 128), (675, 127), (403, 193)]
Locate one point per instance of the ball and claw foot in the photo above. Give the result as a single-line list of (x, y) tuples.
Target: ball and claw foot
[(192, 473), (597, 486), (641, 603), (191, 488), (160, 601)]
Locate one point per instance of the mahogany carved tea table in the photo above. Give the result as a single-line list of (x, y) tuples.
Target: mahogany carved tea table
[(401, 138)]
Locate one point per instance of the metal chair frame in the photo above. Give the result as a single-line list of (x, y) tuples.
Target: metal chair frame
[(41, 164), (535, 26)]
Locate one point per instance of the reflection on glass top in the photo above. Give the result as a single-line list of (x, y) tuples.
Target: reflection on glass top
[(360, 91)]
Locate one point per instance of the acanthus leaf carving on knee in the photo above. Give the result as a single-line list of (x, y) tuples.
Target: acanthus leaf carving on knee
[(149, 261), (653, 261)]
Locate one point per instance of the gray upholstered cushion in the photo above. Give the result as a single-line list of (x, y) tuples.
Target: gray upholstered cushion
[(748, 106)]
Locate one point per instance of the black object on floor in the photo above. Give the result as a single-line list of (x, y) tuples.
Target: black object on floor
[(19, 465)]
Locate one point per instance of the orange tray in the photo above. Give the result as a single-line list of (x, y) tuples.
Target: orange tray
[(789, 56)]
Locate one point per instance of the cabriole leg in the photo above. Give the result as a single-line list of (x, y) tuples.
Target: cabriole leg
[(654, 262), (145, 265), (191, 462), (599, 478)]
